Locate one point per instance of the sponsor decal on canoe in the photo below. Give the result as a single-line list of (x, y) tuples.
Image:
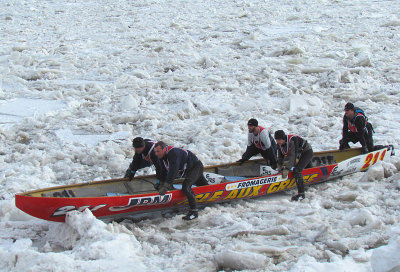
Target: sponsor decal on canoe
[(253, 182), (360, 163), (63, 210), (143, 201)]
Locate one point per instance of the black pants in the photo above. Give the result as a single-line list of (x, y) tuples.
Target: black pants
[(193, 176), (354, 138), (304, 161), (269, 155)]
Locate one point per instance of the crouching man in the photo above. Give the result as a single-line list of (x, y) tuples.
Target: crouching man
[(259, 142), (178, 163), (290, 148)]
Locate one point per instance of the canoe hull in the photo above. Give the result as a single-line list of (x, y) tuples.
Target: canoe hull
[(56, 208)]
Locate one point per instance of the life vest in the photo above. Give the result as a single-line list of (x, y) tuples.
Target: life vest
[(147, 157), (288, 138), (351, 123), (257, 139)]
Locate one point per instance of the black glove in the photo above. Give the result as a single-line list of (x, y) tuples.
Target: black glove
[(364, 150), (129, 174), (164, 187), (343, 144), (241, 161)]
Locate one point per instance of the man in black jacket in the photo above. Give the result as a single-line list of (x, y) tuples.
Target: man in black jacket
[(356, 128), (144, 157), (177, 163), (292, 147)]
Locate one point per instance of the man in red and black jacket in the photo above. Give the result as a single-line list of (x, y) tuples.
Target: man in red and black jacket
[(144, 157), (290, 148), (180, 163), (259, 141), (356, 128)]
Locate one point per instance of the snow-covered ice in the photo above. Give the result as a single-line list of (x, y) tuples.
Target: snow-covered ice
[(80, 79)]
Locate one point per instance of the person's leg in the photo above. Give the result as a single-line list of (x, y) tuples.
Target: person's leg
[(304, 161), (269, 156), (201, 181), (369, 138), (191, 177)]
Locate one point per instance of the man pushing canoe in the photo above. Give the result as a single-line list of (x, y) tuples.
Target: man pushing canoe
[(178, 163), (144, 157), (356, 128), (290, 148), (259, 142)]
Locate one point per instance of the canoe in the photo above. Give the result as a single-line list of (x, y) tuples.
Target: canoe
[(119, 197)]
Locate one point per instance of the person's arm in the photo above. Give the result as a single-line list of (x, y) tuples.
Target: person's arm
[(360, 125), (291, 157), (345, 129), (264, 137), (163, 172), (174, 159), (133, 167), (250, 152), (156, 163), (249, 140), (280, 159)]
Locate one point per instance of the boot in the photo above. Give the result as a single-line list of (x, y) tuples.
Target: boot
[(300, 185), (298, 197), (193, 214)]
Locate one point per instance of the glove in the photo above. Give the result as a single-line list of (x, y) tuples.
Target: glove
[(241, 161), (364, 150), (165, 187), (285, 173), (129, 174), (280, 168)]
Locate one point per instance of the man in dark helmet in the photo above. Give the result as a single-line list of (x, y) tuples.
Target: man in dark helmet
[(178, 162), (356, 128), (290, 148), (259, 142), (144, 157)]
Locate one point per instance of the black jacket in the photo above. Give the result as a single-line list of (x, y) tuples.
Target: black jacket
[(138, 161), (297, 145), (175, 163), (359, 121)]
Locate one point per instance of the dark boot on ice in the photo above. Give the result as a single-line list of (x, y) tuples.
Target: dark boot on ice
[(191, 215), (298, 197)]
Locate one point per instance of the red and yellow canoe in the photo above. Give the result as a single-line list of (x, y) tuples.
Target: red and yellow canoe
[(120, 197)]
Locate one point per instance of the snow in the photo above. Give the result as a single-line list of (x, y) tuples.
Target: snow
[(80, 79)]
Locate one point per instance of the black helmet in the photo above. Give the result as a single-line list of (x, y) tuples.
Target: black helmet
[(138, 142), (280, 135), (349, 106), (252, 122)]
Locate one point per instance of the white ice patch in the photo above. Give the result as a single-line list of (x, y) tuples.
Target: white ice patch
[(375, 172), (12, 111), (387, 258), (309, 264), (305, 104), (129, 103), (105, 244), (68, 137), (240, 260)]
